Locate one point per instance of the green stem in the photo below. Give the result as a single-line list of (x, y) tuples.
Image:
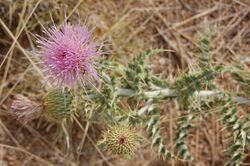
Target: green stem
[(167, 92)]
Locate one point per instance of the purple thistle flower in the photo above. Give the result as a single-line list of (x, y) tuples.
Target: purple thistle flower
[(24, 110), (68, 55)]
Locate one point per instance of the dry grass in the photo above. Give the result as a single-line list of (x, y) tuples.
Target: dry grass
[(127, 28)]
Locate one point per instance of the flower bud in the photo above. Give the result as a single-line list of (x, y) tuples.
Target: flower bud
[(58, 105), (121, 140)]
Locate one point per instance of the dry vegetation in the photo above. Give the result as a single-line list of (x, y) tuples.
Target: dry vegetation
[(127, 27)]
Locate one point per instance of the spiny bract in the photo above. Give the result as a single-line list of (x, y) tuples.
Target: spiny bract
[(58, 104), (121, 140)]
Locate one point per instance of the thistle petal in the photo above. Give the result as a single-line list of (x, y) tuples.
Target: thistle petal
[(67, 55)]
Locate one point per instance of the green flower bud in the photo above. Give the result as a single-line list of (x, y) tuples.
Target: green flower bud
[(58, 105), (121, 140)]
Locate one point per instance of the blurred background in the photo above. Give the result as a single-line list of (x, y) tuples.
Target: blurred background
[(127, 28)]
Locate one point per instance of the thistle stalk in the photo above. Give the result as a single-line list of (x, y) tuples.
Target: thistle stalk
[(167, 92)]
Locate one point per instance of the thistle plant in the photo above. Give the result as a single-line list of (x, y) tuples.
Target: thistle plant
[(69, 61)]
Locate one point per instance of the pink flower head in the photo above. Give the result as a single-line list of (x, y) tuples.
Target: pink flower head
[(68, 55)]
